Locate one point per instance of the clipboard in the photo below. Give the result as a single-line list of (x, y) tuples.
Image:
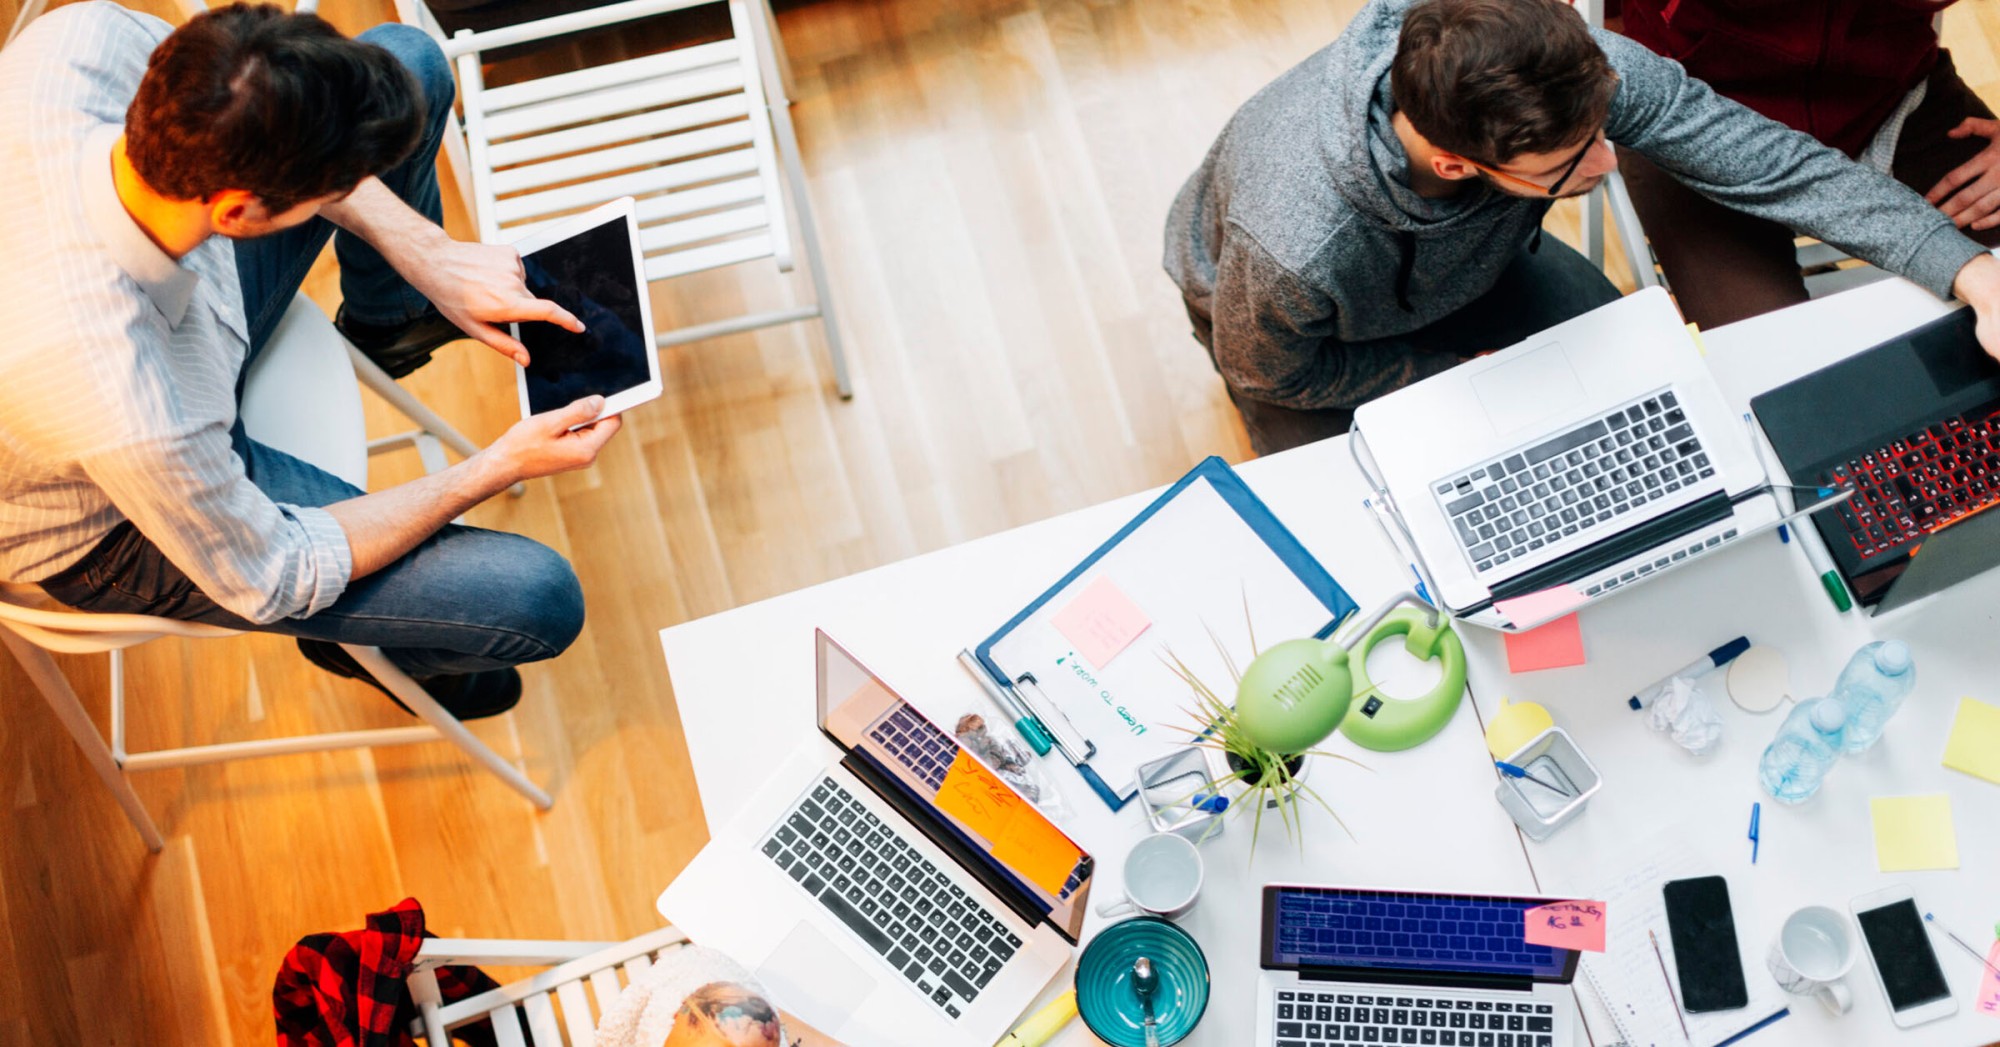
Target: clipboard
[(1218, 578)]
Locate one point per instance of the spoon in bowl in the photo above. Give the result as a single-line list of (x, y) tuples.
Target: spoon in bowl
[(1145, 983)]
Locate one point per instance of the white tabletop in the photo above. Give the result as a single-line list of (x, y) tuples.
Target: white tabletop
[(1426, 818)]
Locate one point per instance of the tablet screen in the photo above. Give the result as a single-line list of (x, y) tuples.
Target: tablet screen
[(591, 275)]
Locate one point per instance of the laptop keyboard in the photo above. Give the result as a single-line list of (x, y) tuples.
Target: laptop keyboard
[(922, 746), (1575, 481), (1912, 487), (926, 927), (1306, 1018)]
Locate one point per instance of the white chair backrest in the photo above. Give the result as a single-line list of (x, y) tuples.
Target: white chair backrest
[(561, 1006), (687, 132)]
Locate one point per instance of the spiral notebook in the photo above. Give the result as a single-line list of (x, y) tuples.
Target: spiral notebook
[(1627, 976)]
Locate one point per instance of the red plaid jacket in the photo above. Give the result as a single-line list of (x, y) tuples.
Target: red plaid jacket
[(347, 990)]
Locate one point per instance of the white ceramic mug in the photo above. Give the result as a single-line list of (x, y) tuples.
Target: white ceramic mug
[(1163, 876), (1814, 950)]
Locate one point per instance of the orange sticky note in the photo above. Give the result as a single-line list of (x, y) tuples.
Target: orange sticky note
[(1014, 831), (1553, 646), (1567, 925), (1988, 1000), (1101, 621)]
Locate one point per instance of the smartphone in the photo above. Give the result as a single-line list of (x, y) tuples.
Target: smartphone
[(1906, 967), (1703, 928)]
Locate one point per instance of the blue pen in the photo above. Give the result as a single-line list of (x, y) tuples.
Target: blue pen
[(1422, 591), (1756, 812), (1715, 659), (1512, 771)]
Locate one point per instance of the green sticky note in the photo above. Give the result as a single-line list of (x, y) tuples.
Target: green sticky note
[(1974, 745), (1914, 832)]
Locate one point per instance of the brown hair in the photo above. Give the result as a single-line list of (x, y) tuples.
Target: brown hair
[(1491, 80)]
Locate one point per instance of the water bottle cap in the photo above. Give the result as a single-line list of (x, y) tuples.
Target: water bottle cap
[(1828, 715), (1893, 657)]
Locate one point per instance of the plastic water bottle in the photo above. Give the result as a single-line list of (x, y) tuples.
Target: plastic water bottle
[(1808, 743), (1873, 687)]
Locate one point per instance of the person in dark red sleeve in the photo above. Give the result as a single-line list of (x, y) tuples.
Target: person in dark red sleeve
[(1866, 77)]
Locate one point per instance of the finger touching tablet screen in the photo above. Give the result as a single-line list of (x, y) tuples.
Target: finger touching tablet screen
[(590, 265)]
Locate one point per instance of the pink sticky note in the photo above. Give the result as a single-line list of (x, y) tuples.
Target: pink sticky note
[(1544, 605), (1988, 1000), (1552, 646), (1567, 925), (1101, 621)]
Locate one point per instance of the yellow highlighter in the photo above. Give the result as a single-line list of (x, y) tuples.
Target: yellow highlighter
[(1043, 1024)]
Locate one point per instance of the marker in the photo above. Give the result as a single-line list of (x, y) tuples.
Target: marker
[(1822, 565), (1031, 729), (1043, 1024), (1970, 951), (1512, 771), (1715, 659), (1756, 811)]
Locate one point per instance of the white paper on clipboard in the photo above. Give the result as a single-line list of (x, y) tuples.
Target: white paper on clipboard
[(1192, 568)]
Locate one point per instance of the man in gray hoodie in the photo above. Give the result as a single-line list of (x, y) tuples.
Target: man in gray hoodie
[(1373, 216)]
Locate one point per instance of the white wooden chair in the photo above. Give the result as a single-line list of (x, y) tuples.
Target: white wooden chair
[(300, 398), (701, 135), (559, 1007)]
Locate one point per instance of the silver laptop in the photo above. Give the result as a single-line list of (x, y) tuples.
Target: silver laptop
[(884, 885), (1356, 966), (1596, 454)]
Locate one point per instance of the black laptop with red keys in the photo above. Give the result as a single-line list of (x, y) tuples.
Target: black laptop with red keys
[(1913, 426)]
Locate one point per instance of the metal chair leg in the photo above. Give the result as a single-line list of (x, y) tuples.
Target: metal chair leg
[(48, 679), (426, 707), (415, 410), (788, 149)]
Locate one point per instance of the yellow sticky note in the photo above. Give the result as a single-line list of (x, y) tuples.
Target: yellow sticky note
[(1514, 725), (1037, 850), (1914, 832), (980, 801), (1974, 745)]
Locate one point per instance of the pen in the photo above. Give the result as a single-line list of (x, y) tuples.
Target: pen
[(1715, 659), (1512, 771), (1069, 741), (1756, 812), (1970, 951), (1031, 729), (1822, 565), (1425, 593), (1650, 936)]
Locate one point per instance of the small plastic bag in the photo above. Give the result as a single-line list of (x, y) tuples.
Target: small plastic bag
[(1013, 762)]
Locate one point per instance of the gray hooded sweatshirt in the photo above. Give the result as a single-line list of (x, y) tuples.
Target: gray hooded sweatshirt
[(1303, 243)]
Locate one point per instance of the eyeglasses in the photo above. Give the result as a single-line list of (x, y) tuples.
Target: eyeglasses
[(1554, 188)]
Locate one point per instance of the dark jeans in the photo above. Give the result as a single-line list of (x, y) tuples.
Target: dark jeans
[(1538, 290), (466, 599), (1726, 266)]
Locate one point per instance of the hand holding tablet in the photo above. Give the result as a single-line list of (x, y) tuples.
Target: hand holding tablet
[(590, 266)]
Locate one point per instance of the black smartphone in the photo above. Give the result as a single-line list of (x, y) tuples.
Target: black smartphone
[(1704, 932)]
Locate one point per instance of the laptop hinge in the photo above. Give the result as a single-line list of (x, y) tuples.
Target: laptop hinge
[(1599, 555), (892, 792), (1418, 979)]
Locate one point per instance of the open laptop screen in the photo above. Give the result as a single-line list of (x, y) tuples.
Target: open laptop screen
[(959, 797), (1367, 932)]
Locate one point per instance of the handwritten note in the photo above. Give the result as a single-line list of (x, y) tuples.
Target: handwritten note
[(1542, 606), (1101, 621), (1974, 745), (1553, 646), (1914, 832), (1988, 1000), (1567, 925), (1014, 831)]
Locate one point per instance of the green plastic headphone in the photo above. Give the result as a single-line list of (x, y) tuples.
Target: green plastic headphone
[(1297, 693)]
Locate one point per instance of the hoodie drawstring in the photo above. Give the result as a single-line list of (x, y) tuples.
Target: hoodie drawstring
[(1406, 242)]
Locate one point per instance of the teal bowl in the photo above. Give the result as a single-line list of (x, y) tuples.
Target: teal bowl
[(1104, 995)]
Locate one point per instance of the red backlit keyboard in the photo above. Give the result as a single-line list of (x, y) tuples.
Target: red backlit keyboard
[(1921, 483)]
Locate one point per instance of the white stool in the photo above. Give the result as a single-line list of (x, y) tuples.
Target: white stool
[(301, 398)]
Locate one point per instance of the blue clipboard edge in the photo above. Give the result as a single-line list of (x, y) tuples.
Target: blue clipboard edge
[(1261, 520)]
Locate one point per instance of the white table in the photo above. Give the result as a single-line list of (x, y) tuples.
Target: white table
[(751, 670)]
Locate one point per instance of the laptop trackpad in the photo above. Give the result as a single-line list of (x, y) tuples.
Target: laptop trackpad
[(1535, 385), (809, 976)]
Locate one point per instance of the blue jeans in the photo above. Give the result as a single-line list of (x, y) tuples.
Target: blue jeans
[(464, 600)]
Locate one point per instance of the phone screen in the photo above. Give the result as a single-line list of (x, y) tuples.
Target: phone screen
[(1903, 954), (1705, 953)]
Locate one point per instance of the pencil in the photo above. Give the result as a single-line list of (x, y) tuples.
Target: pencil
[(1651, 937)]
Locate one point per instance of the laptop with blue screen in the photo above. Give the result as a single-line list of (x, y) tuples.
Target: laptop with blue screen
[(1358, 966)]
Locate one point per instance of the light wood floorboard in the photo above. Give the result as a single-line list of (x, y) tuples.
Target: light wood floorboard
[(991, 178)]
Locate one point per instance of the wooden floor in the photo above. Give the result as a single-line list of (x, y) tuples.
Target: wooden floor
[(991, 178)]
